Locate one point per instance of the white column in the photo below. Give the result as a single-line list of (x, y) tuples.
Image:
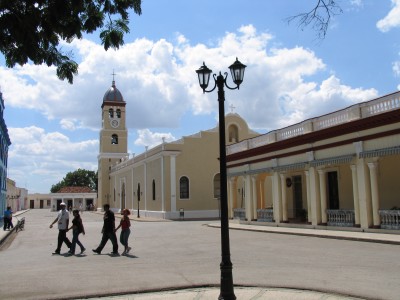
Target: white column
[(309, 214), (315, 197), (364, 194), (277, 200), (355, 195), (173, 183), (322, 188), (254, 197), (230, 197), (374, 193), (265, 192), (248, 198), (284, 199)]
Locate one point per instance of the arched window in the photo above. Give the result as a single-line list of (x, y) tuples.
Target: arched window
[(233, 134), (154, 189), (118, 113), (184, 187), (111, 113), (114, 139), (217, 186)]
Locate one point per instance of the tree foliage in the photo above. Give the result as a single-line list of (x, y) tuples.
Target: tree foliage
[(31, 30), (80, 177), (319, 17)]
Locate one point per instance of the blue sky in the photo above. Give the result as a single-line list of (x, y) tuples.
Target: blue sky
[(290, 76)]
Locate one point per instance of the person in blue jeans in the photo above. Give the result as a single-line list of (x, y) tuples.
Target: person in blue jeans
[(108, 231), (77, 229), (125, 225)]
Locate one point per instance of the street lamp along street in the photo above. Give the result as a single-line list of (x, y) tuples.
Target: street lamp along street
[(237, 72)]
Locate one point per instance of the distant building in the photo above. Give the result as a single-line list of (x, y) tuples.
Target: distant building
[(37, 200), (75, 197), (16, 196), (5, 143)]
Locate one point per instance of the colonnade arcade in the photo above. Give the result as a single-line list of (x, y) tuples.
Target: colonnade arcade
[(360, 190)]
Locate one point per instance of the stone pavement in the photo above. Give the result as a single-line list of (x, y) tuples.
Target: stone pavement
[(247, 292)]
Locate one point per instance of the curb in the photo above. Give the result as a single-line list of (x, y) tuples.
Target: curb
[(332, 235)]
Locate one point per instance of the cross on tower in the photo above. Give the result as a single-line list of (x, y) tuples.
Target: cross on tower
[(232, 107), (113, 75)]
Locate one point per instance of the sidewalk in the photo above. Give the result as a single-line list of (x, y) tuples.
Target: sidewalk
[(5, 233), (241, 293), (383, 238)]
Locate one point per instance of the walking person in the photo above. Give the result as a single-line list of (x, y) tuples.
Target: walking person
[(8, 219), (63, 221), (77, 228), (108, 231), (125, 225)]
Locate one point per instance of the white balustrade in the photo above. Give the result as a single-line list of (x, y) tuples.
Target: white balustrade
[(239, 213), (265, 215), (390, 219), (340, 217)]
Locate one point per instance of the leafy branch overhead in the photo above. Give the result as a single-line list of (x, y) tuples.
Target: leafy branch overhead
[(319, 17), (31, 30)]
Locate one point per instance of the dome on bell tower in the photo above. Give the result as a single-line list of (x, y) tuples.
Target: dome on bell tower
[(113, 94)]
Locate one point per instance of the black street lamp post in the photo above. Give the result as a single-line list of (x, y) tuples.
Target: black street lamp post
[(237, 71)]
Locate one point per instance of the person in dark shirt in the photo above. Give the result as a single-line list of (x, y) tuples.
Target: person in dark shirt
[(8, 218), (108, 231), (77, 228)]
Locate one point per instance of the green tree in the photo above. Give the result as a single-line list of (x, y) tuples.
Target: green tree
[(80, 177), (31, 30)]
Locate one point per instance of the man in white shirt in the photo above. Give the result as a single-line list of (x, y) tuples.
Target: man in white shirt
[(63, 221)]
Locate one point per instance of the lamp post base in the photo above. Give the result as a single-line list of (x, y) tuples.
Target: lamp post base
[(226, 290)]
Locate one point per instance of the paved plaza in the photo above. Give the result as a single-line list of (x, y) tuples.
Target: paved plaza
[(180, 260)]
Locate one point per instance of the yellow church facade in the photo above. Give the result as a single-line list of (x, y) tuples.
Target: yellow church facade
[(337, 170), (172, 180)]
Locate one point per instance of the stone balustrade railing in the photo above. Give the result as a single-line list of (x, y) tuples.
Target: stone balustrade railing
[(239, 213), (265, 215), (354, 112), (340, 217), (390, 219)]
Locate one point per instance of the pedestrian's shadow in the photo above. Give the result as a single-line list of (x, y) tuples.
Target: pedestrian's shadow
[(81, 255), (131, 255), (120, 255)]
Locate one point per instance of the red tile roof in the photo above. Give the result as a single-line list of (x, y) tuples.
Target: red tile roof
[(75, 189)]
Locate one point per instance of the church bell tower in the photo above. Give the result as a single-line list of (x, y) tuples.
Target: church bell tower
[(113, 142)]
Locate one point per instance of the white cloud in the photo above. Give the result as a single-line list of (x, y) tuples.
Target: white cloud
[(357, 3), (396, 68), (150, 139), (392, 19), (68, 124), (47, 155), (158, 82)]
